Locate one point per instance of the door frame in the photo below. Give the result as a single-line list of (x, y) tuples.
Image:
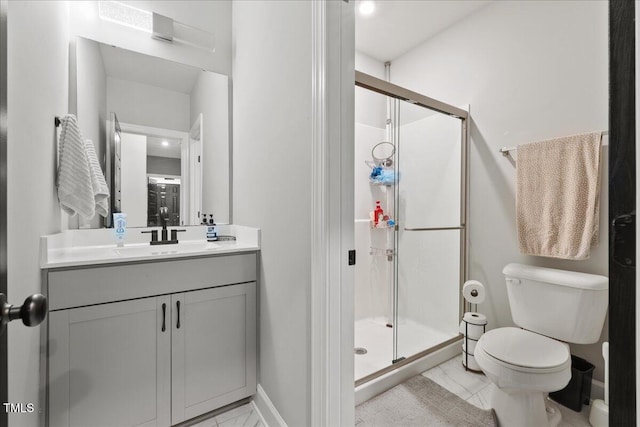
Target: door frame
[(622, 200), (4, 384), (332, 397), (193, 154)]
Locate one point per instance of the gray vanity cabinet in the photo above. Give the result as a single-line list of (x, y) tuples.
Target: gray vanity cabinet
[(154, 360), (211, 349), (109, 364)]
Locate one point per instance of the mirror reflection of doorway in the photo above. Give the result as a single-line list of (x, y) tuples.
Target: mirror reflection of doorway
[(154, 173), (163, 192)]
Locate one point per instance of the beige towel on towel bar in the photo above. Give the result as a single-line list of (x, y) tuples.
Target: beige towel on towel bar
[(557, 196)]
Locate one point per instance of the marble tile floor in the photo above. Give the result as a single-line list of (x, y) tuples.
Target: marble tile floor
[(242, 416), (476, 389)]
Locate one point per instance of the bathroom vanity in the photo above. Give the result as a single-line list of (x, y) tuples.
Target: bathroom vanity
[(148, 338)]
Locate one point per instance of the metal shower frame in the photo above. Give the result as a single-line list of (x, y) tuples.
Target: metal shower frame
[(386, 88)]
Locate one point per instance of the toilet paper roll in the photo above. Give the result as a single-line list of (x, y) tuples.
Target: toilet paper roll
[(469, 347), (472, 365), (472, 331), (473, 291), (475, 318)]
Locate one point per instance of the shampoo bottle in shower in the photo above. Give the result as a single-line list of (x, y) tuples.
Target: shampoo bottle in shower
[(378, 213)]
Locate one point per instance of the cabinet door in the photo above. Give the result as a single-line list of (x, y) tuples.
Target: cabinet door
[(213, 349), (109, 364)]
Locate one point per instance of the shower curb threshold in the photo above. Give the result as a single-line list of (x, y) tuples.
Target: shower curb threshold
[(391, 379)]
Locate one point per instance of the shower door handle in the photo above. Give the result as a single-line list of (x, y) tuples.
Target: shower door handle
[(460, 227)]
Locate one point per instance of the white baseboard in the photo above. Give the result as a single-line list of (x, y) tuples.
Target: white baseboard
[(266, 410), (391, 379)]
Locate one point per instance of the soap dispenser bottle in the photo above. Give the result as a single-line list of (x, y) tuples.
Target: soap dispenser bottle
[(212, 233)]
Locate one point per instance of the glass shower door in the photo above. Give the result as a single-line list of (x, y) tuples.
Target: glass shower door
[(429, 210)]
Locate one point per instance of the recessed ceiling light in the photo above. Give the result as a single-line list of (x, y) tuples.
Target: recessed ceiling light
[(165, 143), (366, 7)]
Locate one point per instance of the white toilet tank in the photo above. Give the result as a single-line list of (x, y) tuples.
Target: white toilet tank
[(564, 305)]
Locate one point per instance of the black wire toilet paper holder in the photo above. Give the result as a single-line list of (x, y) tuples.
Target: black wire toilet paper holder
[(467, 339)]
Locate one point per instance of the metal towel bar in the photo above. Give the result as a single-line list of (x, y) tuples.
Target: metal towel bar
[(507, 150)]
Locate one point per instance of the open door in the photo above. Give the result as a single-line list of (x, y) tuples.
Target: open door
[(4, 393), (34, 309)]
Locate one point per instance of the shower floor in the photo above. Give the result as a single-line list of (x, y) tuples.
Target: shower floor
[(373, 335)]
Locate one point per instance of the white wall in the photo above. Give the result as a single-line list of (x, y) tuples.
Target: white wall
[(91, 98), (91, 102), (531, 71), (134, 179), (210, 96), (369, 65), (38, 45), (212, 16), (164, 166), (272, 184), (372, 272), (141, 104), (372, 287)]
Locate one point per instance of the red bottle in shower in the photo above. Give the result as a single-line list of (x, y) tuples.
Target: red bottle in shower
[(377, 213)]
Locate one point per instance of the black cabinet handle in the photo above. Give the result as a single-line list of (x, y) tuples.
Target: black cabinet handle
[(164, 315), (178, 308)]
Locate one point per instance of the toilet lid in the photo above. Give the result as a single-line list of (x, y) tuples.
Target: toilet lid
[(523, 348)]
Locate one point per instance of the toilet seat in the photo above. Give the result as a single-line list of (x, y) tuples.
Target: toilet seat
[(525, 351)]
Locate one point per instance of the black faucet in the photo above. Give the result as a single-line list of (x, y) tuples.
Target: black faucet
[(163, 212)]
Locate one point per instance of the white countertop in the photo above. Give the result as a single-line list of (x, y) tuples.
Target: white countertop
[(94, 247)]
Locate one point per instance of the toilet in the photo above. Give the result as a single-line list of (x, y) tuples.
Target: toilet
[(552, 308)]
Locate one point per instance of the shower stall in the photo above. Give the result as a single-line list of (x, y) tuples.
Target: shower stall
[(411, 220)]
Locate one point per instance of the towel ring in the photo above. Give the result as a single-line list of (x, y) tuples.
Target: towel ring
[(384, 161)]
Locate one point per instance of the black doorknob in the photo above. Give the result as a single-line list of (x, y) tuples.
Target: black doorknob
[(32, 312)]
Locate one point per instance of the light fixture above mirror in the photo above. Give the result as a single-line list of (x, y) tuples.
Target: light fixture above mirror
[(159, 26)]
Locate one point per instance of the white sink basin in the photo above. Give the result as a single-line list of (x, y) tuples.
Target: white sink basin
[(178, 248)]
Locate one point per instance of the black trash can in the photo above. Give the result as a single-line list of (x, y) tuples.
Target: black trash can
[(578, 391)]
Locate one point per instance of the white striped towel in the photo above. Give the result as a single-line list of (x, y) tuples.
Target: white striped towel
[(75, 190), (100, 189)]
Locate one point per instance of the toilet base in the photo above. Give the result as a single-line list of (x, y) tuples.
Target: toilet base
[(525, 409)]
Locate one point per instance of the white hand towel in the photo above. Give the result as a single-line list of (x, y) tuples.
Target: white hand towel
[(75, 189), (557, 196), (100, 189)]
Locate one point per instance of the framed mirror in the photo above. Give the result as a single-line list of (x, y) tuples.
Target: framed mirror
[(161, 130)]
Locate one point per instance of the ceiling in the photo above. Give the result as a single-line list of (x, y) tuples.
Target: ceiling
[(155, 147), (397, 26), (133, 66)]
